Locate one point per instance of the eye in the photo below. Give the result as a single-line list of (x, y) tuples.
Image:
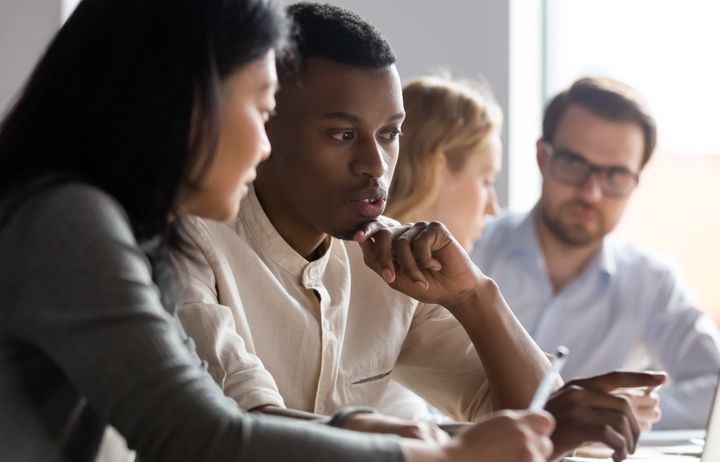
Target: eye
[(391, 134), (619, 175), (571, 161), (343, 135)]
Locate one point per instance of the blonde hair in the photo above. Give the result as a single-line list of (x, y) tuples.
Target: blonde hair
[(444, 117)]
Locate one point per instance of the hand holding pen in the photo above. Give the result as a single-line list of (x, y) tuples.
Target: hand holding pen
[(551, 376)]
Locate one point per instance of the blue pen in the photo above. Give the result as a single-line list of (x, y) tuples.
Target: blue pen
[(546, 384)]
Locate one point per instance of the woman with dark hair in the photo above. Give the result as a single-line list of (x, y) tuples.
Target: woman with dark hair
[(140, 112)]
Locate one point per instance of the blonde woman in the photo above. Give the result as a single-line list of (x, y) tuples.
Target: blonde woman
[(451, 154)]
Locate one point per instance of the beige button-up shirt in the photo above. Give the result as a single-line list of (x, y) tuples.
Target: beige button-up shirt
[(317, 336)]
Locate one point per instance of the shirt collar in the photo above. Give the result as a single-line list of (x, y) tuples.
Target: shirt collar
[(270, 242), (606, 260), (525, 242)]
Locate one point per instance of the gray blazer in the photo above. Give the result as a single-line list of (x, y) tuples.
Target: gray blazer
[(85, 341)]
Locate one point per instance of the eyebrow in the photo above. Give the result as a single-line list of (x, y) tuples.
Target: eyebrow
[(355, 119), (577, 154)]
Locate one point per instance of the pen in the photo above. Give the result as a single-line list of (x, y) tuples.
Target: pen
[(545, 388)]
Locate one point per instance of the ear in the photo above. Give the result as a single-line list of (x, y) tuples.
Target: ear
[(442, 169), (540, 155)]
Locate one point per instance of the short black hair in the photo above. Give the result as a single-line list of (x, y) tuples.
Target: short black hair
[(336, 34)]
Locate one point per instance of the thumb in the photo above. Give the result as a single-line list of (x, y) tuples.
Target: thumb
[(541, 422)]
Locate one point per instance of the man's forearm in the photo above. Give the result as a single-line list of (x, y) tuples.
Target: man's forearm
[(514, 364)]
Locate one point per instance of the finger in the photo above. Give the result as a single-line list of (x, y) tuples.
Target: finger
[(649, 414), (368, 251), (621, 379), (645, 401), (628, 419), (383, 254), (545, 447), (439, 435), (371, 228), (428, 241), (541, 422), (610, 437), (368, 229), (371, 252), (647, 418), (598, 404), (402, 250), (645, 406), (537, 447), (425, 431), (622, 424)]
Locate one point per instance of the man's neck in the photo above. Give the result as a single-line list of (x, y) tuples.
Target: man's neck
[(303, 238), (563, 262)]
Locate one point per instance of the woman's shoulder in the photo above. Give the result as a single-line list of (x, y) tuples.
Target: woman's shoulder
[(62, 220), (73, 198), (56, 205)]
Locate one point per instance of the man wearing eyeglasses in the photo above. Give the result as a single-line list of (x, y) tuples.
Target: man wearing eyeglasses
[(570, 283)]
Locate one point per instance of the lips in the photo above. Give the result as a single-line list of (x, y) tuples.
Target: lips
[(249, 177), (368, 203), (583, 212)]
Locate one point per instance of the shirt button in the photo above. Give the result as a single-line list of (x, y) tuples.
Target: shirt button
[(326, 324)]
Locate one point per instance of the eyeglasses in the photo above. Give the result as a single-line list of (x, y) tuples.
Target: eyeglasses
[(573, 170)]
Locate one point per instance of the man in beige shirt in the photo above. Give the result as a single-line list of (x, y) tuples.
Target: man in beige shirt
[(288, 314)]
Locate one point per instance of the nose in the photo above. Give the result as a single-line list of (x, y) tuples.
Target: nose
[(370, 160), (492, 208), (590, 188)]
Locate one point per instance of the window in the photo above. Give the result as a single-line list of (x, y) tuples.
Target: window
[(68, 6), (668, 51)]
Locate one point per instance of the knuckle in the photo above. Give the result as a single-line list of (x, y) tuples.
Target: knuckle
[(607, 434), (625, 404), (505, 420), (571, 383), (522, 437), (619, 421), (384, 233), (436, 225), (403, 241), (575, 393), (546, 447), (610, 436)]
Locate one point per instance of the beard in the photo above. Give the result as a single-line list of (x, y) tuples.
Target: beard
[(573, 234)]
